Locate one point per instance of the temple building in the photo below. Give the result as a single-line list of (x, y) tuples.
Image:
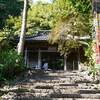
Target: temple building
[(38, 51)]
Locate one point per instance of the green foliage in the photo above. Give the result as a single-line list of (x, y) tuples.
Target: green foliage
[(93, 71), (6, 38), (71, 19), (92, 65), (66, 7), (9, 7), (11, 64), (90, 53), (39, 18), (61, 62)]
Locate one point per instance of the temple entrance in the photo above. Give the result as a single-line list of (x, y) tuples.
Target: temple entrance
[(54, 60), (37, 58)]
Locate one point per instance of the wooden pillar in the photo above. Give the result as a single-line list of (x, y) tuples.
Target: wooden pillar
[(65, 63), (28, 60), (79, 59), (25, 55), (39, 59)]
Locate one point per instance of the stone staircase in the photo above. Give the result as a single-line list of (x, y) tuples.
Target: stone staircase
[(52, 85)]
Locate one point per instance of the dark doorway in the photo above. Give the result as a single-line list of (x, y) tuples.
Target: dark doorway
[(54, 60)]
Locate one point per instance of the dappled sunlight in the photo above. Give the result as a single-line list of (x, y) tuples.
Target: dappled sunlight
[(50, 85)]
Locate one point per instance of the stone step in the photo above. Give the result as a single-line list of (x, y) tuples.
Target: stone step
[(45, 81), (89, 91), (50, 89), (32, 98), (83, 81), (62, 80), (57, 86), (53, 95), (53, 85), (56, 74), (72, 99), (90, 96), (59, 95), (51, 73), (44, 87), (62, 91), (56, 78), (57, 82), (72, 87), (63, 74)]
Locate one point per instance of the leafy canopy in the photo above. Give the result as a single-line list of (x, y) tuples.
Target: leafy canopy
[(72, 18), (39, 18), (9, 7)]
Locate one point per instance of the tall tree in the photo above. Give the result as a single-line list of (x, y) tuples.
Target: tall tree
[(23, 30)]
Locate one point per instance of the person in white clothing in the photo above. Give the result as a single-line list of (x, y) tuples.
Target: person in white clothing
[(45, 66)]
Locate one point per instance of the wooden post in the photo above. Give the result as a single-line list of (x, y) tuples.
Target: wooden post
[(39, 59), (27, 60), (65, 63), (25, 55), (73, 65), (79, 59)]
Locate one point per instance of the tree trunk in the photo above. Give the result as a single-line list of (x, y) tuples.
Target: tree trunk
[(23, 30)]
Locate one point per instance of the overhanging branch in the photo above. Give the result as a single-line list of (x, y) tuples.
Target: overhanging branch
[(85, 43), (77, 37)]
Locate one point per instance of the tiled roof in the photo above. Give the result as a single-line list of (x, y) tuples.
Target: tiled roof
[(42, 35), (37, 38)]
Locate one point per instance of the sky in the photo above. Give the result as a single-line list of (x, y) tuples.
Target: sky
[(42, 0)]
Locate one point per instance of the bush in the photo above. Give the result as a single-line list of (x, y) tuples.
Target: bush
[(11, 64)]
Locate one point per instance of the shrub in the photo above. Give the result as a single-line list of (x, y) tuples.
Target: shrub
[(11, 64)]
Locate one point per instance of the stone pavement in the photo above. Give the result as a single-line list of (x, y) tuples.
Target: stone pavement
[(51, 85)]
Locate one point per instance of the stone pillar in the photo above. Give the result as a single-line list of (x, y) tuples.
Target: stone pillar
[(65, 63), (39, 59)]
